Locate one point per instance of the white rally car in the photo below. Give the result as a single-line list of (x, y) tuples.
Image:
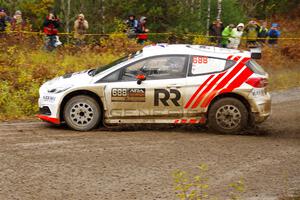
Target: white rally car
[(174, 84)]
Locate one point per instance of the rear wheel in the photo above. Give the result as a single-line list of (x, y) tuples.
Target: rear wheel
[(228, 115), (82, 113)]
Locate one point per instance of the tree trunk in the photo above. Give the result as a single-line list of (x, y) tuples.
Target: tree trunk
[(101, 11), (68, 16), (192, 6), (200, 10), (219, 9), (208, 17)]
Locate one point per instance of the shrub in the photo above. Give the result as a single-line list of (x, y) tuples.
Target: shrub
[(196, 187)]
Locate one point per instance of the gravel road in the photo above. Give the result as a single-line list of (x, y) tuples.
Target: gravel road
[(40, 161)]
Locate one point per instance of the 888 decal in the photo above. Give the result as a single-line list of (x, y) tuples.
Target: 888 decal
[(200, 60), (119, 92)]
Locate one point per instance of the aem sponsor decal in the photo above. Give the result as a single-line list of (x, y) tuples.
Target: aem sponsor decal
[(128, 95)]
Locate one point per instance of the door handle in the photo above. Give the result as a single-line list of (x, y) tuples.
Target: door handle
[(174, 86)]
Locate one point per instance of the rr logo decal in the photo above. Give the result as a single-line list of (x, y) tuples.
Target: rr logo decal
[(162, 95)]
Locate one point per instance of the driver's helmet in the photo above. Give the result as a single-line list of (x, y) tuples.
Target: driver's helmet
[(175, 64)]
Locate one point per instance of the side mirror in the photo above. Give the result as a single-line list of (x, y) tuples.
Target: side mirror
[(140, 78)]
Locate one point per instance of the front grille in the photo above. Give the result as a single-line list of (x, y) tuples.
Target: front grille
[(45, 111)]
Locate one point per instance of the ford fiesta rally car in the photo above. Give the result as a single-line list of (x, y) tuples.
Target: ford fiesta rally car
[(174, 84)]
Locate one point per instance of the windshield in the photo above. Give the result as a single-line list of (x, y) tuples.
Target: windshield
[(114, 63)]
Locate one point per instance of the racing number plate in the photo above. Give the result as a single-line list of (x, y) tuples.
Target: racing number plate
[(128, 95)]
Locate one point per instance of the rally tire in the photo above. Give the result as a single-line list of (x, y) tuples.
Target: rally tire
[(228, 115), (82, 113)]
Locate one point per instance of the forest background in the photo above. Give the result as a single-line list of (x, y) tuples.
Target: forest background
[(163, 16)]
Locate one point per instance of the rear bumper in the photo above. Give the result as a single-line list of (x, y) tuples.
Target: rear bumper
[(49, 119), (261, 109), (259, 118)]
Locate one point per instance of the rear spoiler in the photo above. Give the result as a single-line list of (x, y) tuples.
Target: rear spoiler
[(255, 52)]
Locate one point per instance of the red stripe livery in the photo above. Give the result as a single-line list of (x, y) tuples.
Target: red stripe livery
[(219, 89)]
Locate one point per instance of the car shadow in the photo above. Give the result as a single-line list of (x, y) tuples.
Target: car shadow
[(257, 131)]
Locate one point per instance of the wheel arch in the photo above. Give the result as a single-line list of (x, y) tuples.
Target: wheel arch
[(236, 96), (76, 93)]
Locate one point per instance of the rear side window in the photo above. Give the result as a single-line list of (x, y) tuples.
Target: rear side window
[(255, 67), (206, 65)]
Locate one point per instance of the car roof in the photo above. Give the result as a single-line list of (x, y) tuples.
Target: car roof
[(210, 51)]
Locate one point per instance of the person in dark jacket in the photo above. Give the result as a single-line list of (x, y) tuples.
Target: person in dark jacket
[(263, 33), (51, 25), (215, 32), (132, 25), (3, 20), (273, 34)]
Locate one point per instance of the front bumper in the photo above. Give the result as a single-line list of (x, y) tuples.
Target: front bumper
[(49, 119), (49, 108)]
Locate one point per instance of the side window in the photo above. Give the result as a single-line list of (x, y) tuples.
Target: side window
[(163, 67), (204, 65)]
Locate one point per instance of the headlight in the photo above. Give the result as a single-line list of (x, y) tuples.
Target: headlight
[(60, 89)]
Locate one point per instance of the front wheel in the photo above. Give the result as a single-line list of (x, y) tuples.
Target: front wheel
[(228, 115), (82, 113)]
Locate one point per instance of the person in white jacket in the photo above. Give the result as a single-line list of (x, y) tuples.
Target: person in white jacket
[(235, 38)]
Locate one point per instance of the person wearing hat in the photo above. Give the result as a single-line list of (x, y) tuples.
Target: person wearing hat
[(235, 38), (3, 20), (17, 22), (273, 34), (132, 25), (226, 34), (81, 26)]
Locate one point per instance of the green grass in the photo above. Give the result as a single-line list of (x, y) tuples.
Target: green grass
[(22, 73)]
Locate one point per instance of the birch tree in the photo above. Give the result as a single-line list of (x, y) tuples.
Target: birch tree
[(208, 16), (219, 7)]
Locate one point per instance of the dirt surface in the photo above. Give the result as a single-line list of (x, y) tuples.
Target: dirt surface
[(40, 161)]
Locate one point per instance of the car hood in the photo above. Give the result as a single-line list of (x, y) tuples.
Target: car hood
[(68, 81)]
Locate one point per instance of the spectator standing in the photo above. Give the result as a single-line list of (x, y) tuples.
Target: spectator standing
[(3, 20), (226, 34), (17, 22), (263, 33), (273, 34), (51, 25), (251, 33), (215, 32), (142, 30), (132, 26), (81, 26), (235, 39)]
